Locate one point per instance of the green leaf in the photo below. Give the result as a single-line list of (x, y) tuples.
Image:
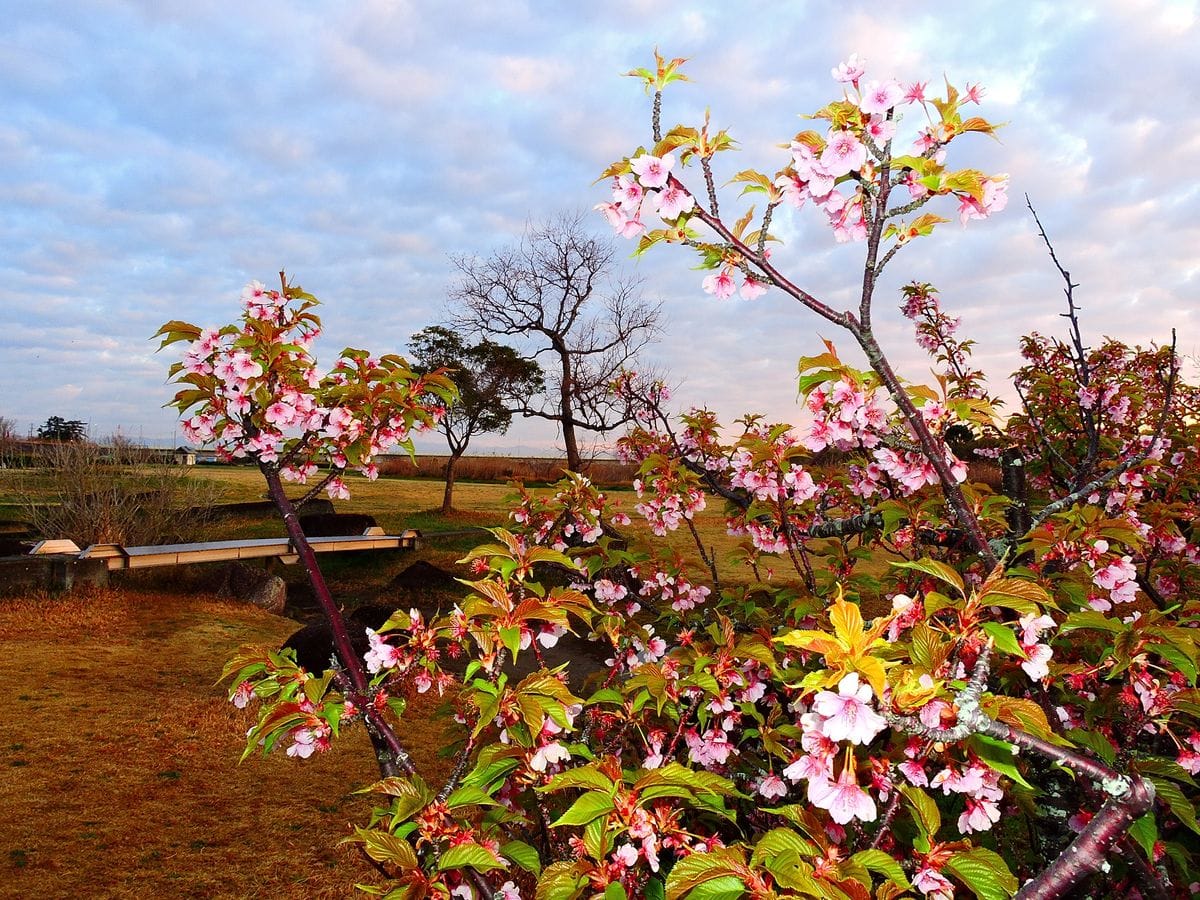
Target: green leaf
[(1182, 808), (523, 855), (1168, 768), (469, 795), (984, 872), (998, 755), (511, 638), (1016, 593), (938, 570), (597, 842), (411, 794), (1004, 638), (590, 806), (1178, 658), (473, 855), (382, 846), (614, 891), (561, 881), (726, 887), (582, 777), (1090, 619), (1145, 832), (924, 810), (883, 863), (1097, 743), (655, 889), (700, 868), (782, 840)]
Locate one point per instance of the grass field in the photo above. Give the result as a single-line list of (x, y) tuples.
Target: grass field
[(119, 772)]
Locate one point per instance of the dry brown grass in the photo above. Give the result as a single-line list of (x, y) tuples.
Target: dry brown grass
[(608, 472), (119, 772)]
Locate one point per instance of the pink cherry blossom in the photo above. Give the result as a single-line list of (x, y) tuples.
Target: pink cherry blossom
[(809, 767), (254, 293), (280, 413), (934, 885), (915, 92), (881, 130), (381, 655), (752, 288), (880, 96), (244, 367), (848, 715), (720, 284), (310, 739), (980, 815), (243, 694), (652, 171), (627, 855), (850, 71), (914, 772), (710, 749), (772, 787), (337, 490), (843, 798), (549, 755), (627, 193), (1032, 627), (1189, 760), (672, 201), (843, 153)]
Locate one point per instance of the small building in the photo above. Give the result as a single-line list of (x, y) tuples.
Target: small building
[(184, 456)]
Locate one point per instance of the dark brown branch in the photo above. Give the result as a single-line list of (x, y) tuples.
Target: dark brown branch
[(1097, 483), (1129, 797), (394, 758)]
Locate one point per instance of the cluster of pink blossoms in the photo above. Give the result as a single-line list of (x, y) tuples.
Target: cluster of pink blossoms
[(314, 736), (767, 480), (1036, 666), (666, 509), (254, 410), (650, 188), (847, 715), (416, 657), (671, 588), (573, 514), (845, 416), (1119, 578)]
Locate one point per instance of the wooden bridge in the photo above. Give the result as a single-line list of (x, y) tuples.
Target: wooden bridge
[(116, 556)]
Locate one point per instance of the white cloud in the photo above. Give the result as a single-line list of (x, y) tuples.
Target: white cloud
[(156, 155)]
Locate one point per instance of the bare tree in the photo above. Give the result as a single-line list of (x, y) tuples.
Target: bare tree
[(558, 291)]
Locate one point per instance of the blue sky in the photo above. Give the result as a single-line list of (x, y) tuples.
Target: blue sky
[(154, 156)]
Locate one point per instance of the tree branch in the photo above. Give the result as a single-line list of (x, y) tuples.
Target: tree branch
[(1128, 796)]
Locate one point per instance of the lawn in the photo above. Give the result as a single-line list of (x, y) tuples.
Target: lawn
[(119, 772)]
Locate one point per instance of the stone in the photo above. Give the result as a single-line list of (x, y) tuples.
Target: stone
[(270, 595), (241, 581)]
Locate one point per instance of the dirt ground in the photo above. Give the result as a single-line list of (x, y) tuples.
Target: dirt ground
[(119, 773)]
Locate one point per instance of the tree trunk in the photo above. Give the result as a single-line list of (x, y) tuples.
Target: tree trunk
[(390, 755), (448, 496), (567, 415)]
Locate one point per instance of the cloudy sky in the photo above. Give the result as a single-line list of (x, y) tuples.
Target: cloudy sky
[(156, 155)]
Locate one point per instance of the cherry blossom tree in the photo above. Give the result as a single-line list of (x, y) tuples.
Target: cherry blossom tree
[(903, 684), (253, 389)]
